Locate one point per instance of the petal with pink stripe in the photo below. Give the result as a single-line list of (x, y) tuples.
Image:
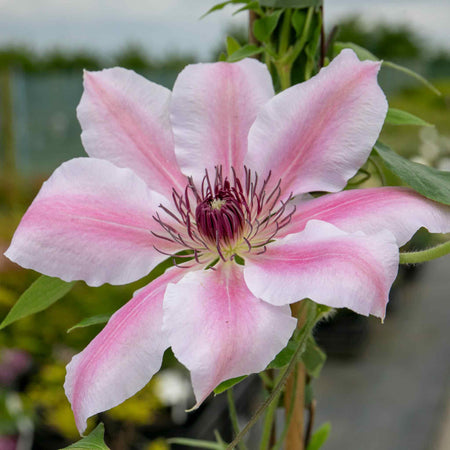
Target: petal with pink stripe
[(329, 266), (397, 209), (125, 119), (218, 329), (123, 356), (213, 107), (90, 221), (317, 134)]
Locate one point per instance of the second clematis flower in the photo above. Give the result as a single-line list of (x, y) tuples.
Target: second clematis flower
[(221, 169)]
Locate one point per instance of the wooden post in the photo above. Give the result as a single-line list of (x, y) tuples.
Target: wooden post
[(295, 435), (7, 142)]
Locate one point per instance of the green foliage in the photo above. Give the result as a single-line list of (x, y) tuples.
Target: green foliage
[(284, 357), (252, 6), (227, 384), (62, 60), (290, 3), (265, 26), (248, 5), (197, 443), (216, 7), (430, 182), (361, 52), (398, 117), (232, 45), (298, 20), (133, 57), (412, 74), (245, 52), (319, 437), (313, 358), (17, 57), (92, 442), (386, 41), (39, 296), (93, 320)]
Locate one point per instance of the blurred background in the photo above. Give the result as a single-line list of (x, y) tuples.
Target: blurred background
[(383, 387)]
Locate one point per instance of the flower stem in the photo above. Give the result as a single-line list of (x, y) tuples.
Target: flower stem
[(268, 424), (298, 47), (296, 382), (284, 74), (304, 333), (233, 416), (289, 414), (284, 34), (425, 255)]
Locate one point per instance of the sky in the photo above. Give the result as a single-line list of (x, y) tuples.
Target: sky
[(173, 26)]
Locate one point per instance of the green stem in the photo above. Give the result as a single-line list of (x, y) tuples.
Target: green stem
[(284, 74), (280, 441), (298, 47), (413, 74), (268, 383), (305, 332), (196, 443), (284, 33), (233, 416), (268, 422), (378, 169), (425, 255)]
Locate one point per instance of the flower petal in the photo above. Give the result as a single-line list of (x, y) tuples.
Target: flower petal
[(213, 107), (317, 134), (397, 209), (90, 221), (123, 356), (219, 330), (125, 119), (329, 266)]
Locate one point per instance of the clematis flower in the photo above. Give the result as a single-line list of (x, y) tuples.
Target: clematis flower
[(220, 169)]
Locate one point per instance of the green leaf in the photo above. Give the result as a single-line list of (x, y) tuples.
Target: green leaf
[(222, 57), (430, 182), (265, 26), (311, 47), (254, 6), (227, 384), (313, 358), (217, 7), (244, 52), (284, 357), (232, 45), (93, 320), (196, 443), (362, 53), (319, 437), (92, 442), (412, 74), (290, 3), (399, 117), (40, 295), (298, 20)]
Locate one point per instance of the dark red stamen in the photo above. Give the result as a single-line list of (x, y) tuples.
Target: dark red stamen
[(225, 213)]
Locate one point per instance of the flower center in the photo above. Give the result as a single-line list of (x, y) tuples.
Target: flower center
[(224, 217), (220, 217)]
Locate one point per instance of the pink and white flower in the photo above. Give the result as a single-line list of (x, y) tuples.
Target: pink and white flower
[(218, 167)]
